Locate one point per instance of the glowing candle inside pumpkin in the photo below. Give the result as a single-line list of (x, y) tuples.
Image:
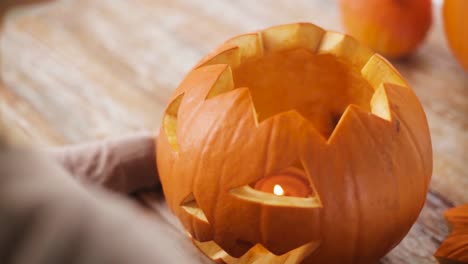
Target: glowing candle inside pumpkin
[(278, 190), (285, 184)]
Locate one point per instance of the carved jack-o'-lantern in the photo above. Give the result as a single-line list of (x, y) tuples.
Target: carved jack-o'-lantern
[(295, 145)]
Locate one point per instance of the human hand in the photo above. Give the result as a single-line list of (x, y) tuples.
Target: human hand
[(125, 165), (48, 218)]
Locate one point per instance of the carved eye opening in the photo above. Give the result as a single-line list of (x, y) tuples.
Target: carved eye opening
[(289, 187), (290, 182)]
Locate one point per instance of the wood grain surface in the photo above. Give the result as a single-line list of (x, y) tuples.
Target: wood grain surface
[(86, 69)]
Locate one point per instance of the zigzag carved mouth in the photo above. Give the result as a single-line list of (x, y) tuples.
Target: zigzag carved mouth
[(257, 254)]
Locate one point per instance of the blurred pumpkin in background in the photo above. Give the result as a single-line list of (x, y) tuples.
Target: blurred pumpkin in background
[(295, 145), (454, 249), (393, 28), (455, 13)]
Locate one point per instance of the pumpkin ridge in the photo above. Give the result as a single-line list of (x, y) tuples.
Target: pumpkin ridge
[(358, 215), (415, 145), (198, 172), (312, 183), (261, 227), (220, 188), (403, 122)]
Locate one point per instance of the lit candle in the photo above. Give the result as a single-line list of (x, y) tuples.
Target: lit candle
[(288, 183), (278, 190)]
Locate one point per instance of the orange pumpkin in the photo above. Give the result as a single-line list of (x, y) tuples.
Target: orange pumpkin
[(456, 29), (392, 28), (295, 145), (454, 249)]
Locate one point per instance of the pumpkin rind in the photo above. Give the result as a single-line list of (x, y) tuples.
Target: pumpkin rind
[(370, 173), (454, 249), (456, 31), (393, 28)]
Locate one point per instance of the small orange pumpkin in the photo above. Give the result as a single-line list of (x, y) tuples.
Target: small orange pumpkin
[(456, 28), (295, 145), (391, 28), (454, 249)]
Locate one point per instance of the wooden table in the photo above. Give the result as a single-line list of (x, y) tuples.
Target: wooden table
[(86, 69)]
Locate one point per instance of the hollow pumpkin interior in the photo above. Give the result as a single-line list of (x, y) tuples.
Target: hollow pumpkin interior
[(319, 86)]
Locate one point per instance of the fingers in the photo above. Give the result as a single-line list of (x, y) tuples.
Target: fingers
[(124, 165)]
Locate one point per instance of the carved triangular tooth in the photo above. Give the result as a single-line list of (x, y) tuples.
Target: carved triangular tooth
[(292, 36), (223, 84), (349, 113), (257, 254), (195, 220), (345, 47), (353, 114), (227, 54), (216, 253), (295, 115), (250, 46), (211, 250), (291, 113), (170, 121), (378, 71), (261, 255), (190, 205), (380, 105), (245, 93)]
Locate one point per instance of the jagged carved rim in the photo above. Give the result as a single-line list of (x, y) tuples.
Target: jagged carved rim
[(374, 69)]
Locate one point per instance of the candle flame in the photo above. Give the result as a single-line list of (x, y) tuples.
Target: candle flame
[(278, 190)]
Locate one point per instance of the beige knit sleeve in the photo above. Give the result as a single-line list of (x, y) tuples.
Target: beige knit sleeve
[(47, 217), (124, 164)]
